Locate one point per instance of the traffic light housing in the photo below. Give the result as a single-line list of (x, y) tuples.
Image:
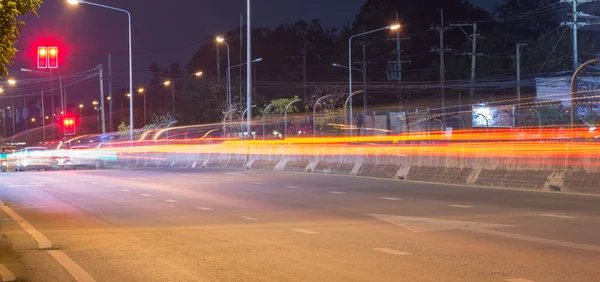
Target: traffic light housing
[(42, 56), (69, 126), (53, 57)]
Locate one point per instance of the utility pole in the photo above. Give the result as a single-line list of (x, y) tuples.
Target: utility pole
[(102, 99), (575, 24), (241, 56), (442, 50), (473, 54), (398, 62), (304, 65), (110, 102), (519, 47)]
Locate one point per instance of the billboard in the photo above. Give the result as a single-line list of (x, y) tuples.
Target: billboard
[(493, 116)]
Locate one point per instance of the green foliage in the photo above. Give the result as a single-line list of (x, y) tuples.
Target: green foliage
[(279, 106), (10, 28), (123, 127), (330, 121)]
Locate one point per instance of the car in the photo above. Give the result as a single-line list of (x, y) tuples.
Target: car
[(79, 157), (34, 158)]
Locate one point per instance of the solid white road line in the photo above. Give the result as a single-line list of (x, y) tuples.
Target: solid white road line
[(78, 273), (43, 242), (336, 192), (305, 231), (390, 199), (6, 274), (292, 187), (257, 183), (518, 280), (392, 251), (204, 208), (557, 216), (146, 195), (171, 201), (460, 206), (249, 218)]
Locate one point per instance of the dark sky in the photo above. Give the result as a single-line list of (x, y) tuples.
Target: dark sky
[(164, 31)]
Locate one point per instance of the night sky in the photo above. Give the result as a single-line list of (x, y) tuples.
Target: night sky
[(163, 31)]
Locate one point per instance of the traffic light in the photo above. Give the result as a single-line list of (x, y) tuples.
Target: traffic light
[(69, 126), (53, 57), (42, 57)]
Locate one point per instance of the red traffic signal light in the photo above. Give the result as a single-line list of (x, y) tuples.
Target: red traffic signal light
[(53, 57), (42, 55), (69, 126)]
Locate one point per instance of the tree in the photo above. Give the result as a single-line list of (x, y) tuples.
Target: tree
[(279, 106), (10, 28)]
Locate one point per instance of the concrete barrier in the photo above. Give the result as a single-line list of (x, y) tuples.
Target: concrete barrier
[(512, 169)]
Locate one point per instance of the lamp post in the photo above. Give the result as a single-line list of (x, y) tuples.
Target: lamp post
[(221, 39), (242, 123), (285, 116), (257, 60), (73, 2), (141, 91), (171, 83), (249, 66), (390, 27), (80, 118), (346, 103)]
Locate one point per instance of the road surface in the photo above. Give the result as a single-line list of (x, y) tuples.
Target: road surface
[(240, 225)]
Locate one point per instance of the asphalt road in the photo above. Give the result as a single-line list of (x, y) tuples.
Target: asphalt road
[(236, 225)]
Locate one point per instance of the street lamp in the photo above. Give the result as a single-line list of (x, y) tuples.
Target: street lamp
[(74, 2), (12, 81), (172, 84), (221, 39), (257, 60), (389, 27)]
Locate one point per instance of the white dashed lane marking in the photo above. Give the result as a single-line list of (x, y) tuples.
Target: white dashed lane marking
[(204, 208), (95, 183), (336, 192), (557, 216), (390, 198), (248, 218), (171, 201), (78, 273), (6, 274), (305, 231), (257, 183), (146, 195), (392, 251), (460, 206)]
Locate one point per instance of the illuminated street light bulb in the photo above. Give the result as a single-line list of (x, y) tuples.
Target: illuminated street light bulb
[(220, 39), (95, 103), (141, 90), (394, 27), (1, 90), (128, 95), (80, 106), (73, 2), (12, 82), (32, 119), (198, 74), (47, 117), (167, 83), (108, 98)]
